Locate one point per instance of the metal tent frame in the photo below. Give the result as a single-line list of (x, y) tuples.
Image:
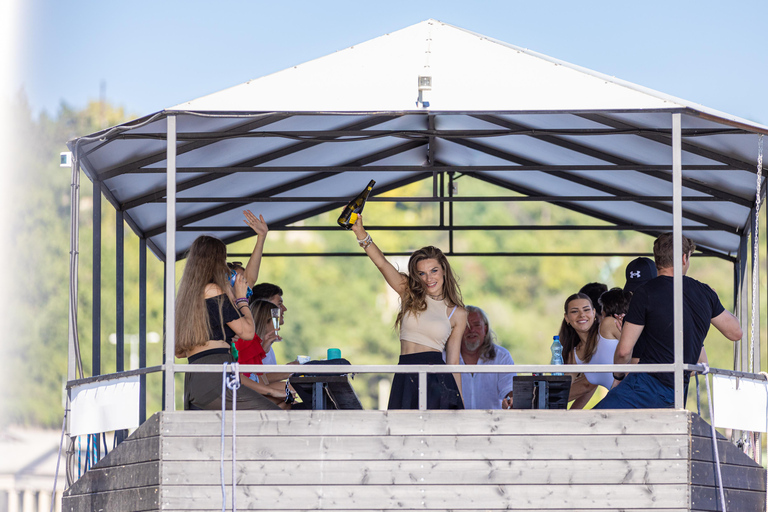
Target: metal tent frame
[(601, 147)]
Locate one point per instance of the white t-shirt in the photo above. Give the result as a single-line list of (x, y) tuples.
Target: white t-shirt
[(270, 357), (487, 390)]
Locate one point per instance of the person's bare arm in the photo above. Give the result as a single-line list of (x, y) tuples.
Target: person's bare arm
[(581, 390), (453, 345), (584, 398), (244, 326), (262, 388), (630, 333), (395, 279), (729, 325), (254, 262)]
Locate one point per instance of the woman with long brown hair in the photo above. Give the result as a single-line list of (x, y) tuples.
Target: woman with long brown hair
[(431, 320), (209, 314), (578, 335)]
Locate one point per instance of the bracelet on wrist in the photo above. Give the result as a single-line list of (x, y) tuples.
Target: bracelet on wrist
[(241, 299), (365, 242), (619, 378)]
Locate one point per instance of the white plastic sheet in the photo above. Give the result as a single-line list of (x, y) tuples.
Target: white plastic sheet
[(740, 403), (104, 406)]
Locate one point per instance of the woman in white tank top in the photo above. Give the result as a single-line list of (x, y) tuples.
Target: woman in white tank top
[(431, 320), (586, 341), (578, 335)]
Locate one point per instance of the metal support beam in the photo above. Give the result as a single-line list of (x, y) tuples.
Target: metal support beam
[(252, 162), (96, 278), (292, 185), (755, 339), (740, 299), (450, 212), (170, 269), (677, 255), (73, 360), (119, 292), (142, 328), (120, 435), (587, 182), (755, 298)]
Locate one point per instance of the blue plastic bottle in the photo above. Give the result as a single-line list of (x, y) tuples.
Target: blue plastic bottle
[(557, 353), (232, 277)]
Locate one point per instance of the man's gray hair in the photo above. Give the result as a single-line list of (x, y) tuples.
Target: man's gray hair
[(487, 348)]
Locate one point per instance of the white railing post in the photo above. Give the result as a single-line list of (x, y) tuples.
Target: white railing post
[(677, 253), (422, 391), (170, 268)]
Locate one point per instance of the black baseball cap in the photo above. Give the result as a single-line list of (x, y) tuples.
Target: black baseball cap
[(639, 271)]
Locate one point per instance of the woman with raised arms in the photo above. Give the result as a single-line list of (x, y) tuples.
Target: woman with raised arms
[(209, 314), (431, 320)]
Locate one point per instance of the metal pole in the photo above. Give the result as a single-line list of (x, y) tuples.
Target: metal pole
[(142, 328), (96, 308), (120, 435), (677, 254), (756, 302), (73, 361), (170, 268), (165, 304), (119, 291), (450, 213), (441, 193), (756, 309), (740, 297)]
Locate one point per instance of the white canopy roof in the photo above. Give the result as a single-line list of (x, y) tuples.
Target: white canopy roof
[(307, 137)]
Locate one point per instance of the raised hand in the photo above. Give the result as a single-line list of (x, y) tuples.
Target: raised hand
[(357, 227), (257, 224)]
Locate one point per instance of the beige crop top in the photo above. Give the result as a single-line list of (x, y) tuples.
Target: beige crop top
[(430, 328)]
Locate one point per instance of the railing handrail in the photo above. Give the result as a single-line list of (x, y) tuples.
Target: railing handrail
[(420, 368)]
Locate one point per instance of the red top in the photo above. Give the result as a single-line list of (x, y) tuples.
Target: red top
[(251, 351)]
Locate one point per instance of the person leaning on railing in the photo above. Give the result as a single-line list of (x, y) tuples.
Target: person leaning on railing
[(432, 318), (209, 314), (650, 322)]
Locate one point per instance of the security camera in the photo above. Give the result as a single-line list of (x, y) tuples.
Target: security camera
[(66, 159)]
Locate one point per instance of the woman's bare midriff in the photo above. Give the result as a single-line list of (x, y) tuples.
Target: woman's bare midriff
[(409, 347), (209, 345)]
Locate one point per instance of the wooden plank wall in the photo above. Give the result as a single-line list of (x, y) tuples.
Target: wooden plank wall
[(432, 460), (743, 478), (126, 480)]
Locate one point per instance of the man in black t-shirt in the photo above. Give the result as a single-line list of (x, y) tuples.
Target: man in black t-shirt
[(650, 324)]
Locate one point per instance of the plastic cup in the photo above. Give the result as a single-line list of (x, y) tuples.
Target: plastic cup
[(334, 353), (303, 359)]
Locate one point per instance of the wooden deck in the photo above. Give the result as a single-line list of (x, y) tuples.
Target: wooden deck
[(656, 460)]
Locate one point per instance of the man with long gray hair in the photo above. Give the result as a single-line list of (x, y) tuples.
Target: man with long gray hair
[(484, 390)]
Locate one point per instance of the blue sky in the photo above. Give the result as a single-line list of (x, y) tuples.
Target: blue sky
[(153, 55)]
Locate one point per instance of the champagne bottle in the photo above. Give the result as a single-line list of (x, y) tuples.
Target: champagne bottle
[(349, 215)]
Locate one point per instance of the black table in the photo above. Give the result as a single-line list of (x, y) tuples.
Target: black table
[(326, 391)]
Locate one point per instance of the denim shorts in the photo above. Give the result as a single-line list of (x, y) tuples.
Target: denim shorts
[(639, 391)]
